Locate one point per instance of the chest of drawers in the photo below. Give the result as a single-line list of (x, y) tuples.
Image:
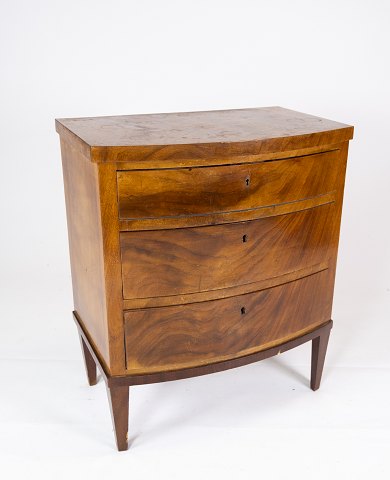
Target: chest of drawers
[(200, 241)]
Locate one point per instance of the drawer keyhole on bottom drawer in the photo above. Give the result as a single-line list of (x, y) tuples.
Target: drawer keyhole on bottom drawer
[(243, 310), (245, 238)]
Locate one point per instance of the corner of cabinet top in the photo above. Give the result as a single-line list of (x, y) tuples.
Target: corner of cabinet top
[(166, 139)]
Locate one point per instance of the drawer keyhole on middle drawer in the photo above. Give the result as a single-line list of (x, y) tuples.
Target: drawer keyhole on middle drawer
[(245, 238), (243, 310), (247, 181)]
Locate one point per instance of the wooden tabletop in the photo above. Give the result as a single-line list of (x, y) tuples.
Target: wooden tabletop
[(221, 132)]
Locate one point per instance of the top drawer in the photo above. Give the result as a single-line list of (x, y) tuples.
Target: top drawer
[(170, 198)]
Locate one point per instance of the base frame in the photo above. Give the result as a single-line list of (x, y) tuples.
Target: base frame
[(118, 385)]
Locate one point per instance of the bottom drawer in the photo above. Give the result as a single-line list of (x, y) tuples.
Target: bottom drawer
[(183, 336)]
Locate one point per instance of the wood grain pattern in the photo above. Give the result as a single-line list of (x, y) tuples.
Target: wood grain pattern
[(86, 244), (199, 192), (112, 265), (118, 398), (190, 260), (129, 304), (156, 163), (200, 241), (337, 218), (92, 213), (184, 221), (168, 375), (183, 336), (201, 134)]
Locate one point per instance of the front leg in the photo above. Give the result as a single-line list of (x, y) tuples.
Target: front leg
[(118, 398), (318, 352)]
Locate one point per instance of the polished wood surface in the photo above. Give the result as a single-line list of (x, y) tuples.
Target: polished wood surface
[(112, 265), (200, 134), (171, 375), (89, 362), (86, 245), (92, 215), (199, 333), (192, 260), (200, 241), (148, 302), (150, 199), (318, 352), (225, 217), (118, 398)]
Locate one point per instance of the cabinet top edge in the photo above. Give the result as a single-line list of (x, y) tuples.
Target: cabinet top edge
[(200, 134)]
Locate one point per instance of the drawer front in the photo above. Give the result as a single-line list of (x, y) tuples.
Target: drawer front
[(191, 260), (162, 199), (184, 336)]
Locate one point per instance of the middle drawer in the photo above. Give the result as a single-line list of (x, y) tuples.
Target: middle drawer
[(192, 260)]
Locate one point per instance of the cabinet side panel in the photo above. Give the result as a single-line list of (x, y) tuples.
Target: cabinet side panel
[(86, 245), (343, 153)]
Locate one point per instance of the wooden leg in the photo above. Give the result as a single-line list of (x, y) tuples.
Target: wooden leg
[(318, 352), (118, 398), (90, 365)]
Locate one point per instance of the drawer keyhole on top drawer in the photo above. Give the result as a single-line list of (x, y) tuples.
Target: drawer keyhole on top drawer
[(247, 181), (243, 310), (245, 238)]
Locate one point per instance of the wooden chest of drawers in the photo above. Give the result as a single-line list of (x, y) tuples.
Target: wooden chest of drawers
[(200, 241)]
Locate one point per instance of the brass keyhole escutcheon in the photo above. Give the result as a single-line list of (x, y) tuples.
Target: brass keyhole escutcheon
[(245, 238), (243, 310)]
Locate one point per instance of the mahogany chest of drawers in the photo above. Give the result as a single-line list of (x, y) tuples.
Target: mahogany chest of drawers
[(200, 241)]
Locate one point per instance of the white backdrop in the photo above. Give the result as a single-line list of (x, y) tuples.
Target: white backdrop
[(85, 58)]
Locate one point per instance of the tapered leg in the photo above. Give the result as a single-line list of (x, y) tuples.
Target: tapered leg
[(318, 352), (90, 365), (119, 405)]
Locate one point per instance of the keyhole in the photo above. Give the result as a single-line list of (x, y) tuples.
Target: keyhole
[(245, 238), (243, 310), (247, 181)]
